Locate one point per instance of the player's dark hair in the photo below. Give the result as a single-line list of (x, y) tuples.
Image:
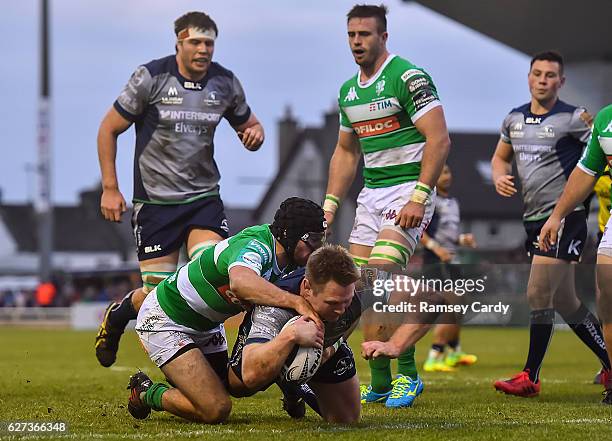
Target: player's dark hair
[(331, 262), (294, 218), (195, 19), (553, 56), (367, 11)]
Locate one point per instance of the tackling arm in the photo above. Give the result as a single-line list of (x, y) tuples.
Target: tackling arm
[(247, 285)]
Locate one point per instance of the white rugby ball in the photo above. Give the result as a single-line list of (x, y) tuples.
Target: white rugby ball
[(302, 363)]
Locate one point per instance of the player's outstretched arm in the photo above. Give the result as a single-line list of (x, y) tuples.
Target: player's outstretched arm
[(262, 362), (501, 169), (577, 189), (251, 133), (247, 285), (342, 169), (404, 336), (112, 203)]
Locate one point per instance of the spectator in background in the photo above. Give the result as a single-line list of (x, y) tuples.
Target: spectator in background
[(45, 294)]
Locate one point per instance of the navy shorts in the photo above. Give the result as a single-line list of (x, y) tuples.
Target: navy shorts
[(340, 367), (570, 241), (162, 229)]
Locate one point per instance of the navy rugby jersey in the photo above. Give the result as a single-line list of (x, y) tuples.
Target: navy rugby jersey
[(444, 224), (546, 149), (266, 322), (175, 121)]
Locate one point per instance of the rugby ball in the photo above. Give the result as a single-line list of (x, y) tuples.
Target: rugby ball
[(302, 363)]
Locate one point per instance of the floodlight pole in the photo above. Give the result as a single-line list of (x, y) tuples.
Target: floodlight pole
[(43, 207)]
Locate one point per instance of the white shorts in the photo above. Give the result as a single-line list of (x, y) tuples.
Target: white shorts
[(378, 207), (162, 338), (605, 245)]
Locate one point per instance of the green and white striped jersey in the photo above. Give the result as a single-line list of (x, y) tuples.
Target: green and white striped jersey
[(198, 296), (382, 112), (598, 153)]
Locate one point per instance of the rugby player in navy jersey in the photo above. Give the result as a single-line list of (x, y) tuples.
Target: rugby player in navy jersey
[(175, 103), (546, 138), (339, 294)]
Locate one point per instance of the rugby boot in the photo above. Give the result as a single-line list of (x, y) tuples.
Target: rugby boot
[(139, 384), (107, 340), (602, 377), (404, 392), (459, 358), (608, 385), (436, 365), (519, 385), (369, 396)]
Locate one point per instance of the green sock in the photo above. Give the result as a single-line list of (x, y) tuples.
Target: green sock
[(406, 364), (380, 369), (153, 396)]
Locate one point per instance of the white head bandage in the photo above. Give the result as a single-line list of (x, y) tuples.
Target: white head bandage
[(196, 33)]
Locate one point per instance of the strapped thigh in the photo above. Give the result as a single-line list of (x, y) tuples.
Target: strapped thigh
[(153, 273)]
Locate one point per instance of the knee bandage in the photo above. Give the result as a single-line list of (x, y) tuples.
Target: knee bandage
[(391, 251), (154, 273), (198, 248), (359, 261)]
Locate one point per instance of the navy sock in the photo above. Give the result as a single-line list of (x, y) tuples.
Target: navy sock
[(437, 348), (586, 326), (123, 313), (453, 344), (540, 332)]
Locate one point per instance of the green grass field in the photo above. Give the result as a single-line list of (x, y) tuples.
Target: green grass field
[(52, 375)]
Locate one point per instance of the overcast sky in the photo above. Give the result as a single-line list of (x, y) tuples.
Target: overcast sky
[(284, 52)]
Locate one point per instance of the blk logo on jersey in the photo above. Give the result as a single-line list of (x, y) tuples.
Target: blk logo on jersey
[(191, 85), (533, 120), (609, 128), (376, 126)]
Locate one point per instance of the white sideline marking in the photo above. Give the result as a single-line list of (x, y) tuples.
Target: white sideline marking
[(127, 369)]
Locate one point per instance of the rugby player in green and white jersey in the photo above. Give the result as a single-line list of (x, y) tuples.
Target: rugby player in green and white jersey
[(596, 157), (180, 324), (390, 111)]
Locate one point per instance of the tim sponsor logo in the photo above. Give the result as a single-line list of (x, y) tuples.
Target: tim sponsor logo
[(380, 105), (376, 126)]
